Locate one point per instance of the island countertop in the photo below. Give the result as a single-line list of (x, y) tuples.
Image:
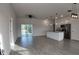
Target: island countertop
[(56, 35)]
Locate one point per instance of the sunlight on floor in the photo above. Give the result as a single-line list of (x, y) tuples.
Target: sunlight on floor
[(18, 48), (21, 50)]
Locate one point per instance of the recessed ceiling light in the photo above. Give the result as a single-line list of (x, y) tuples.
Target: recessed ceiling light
[(61, 15), (56, 17)]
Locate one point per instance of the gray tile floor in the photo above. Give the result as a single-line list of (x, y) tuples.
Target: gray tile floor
[(45, 46)]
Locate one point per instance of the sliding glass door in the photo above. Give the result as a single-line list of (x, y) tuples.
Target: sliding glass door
[(26, 29)]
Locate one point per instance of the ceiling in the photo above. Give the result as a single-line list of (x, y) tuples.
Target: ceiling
[(41, 10)]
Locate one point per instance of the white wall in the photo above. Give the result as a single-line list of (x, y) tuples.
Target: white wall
[(75, 29), (6, 13), (39, 26), (74, 26)]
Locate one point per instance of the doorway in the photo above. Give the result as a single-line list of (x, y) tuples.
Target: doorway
[(26, 30), (26, 34)]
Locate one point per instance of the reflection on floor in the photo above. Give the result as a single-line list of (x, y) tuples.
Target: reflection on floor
[(25, 40), (45, 46)]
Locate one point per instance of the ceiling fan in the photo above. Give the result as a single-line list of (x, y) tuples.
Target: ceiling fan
[(28, 16)]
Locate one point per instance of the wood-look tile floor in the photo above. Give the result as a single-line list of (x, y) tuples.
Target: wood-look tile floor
[(44, 46)]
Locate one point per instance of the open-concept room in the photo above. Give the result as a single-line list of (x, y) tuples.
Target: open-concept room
[(39, 28)]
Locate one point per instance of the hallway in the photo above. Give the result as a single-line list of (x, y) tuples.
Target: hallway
[(45, 46)]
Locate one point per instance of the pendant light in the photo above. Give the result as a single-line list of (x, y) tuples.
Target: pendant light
[(74, 11)]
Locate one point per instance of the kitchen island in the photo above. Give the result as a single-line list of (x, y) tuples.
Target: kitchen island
[(59, 36)]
